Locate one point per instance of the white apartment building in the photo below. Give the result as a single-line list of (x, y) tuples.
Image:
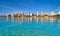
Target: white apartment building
[(52, 13), (59, 12), (37, 14), (44, 13)]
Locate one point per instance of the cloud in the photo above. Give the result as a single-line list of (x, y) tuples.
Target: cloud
[(7, 9), (59, 8)]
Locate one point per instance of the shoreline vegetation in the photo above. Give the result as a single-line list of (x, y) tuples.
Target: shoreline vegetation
[(52, 14)]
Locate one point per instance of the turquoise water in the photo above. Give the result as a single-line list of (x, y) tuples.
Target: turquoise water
[(29, 26)]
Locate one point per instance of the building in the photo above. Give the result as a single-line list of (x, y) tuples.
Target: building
[(27, 14), (19, 14), (37, 14), (59, 12), (44, 13), (52, 13)]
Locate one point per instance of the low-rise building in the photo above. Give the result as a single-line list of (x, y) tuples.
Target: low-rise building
[(52, 13), (59, 12)]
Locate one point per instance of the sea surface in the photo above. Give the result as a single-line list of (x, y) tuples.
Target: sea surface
[(28, 26)]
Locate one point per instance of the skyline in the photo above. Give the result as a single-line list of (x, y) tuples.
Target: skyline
[(32, 6), (29, 13)]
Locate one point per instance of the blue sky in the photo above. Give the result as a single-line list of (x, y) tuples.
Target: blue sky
[(8, 6)]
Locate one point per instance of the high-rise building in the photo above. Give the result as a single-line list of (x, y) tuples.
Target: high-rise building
[(37, 14)]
